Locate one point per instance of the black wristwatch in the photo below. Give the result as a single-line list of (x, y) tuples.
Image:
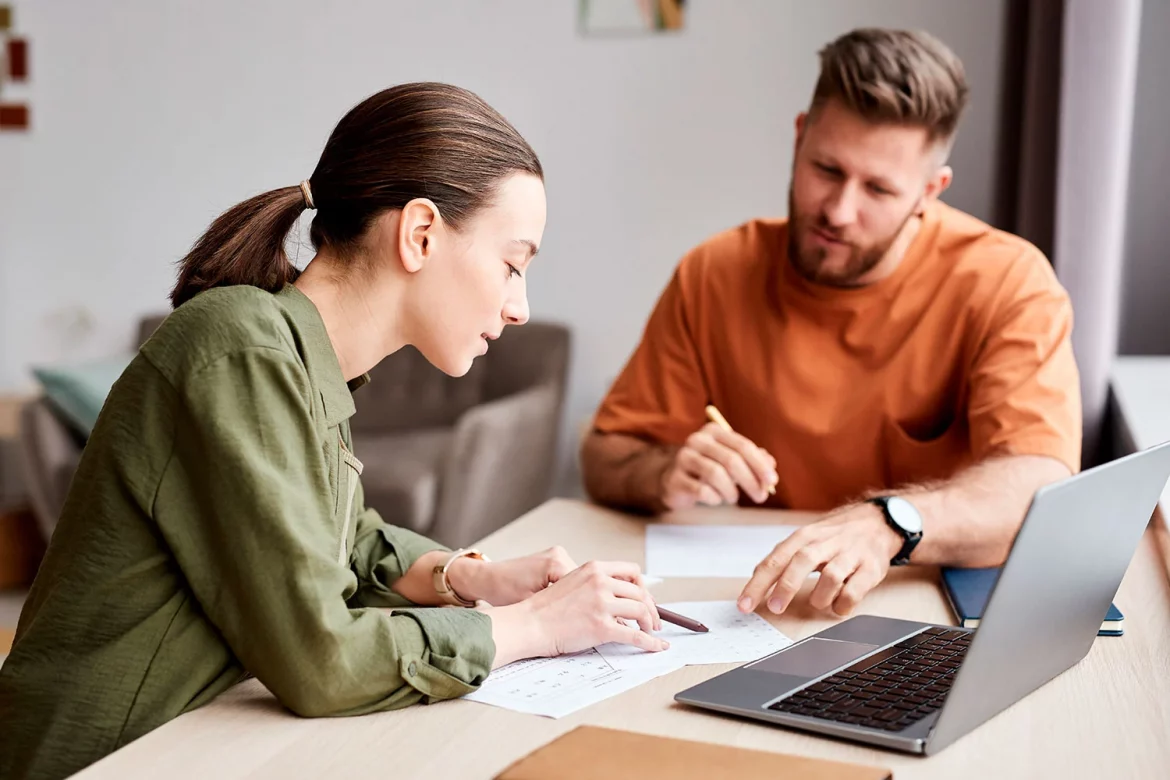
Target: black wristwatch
[(904, 518)]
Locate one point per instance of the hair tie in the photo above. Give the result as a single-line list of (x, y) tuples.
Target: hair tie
[(307, 194)]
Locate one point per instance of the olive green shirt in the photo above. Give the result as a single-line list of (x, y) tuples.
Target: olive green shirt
[(215, 528)]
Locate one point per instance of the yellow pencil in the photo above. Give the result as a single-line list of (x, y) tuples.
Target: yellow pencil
[(715, 416)]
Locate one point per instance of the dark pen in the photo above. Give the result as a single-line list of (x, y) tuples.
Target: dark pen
[(679, 620)]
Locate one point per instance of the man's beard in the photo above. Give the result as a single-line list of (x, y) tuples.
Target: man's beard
[(810, 263)]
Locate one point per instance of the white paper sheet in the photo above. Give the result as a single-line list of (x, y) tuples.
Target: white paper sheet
[(710, 550), (733, 637), (555, 687)]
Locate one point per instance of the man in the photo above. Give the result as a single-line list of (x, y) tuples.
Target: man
[(880, 356)]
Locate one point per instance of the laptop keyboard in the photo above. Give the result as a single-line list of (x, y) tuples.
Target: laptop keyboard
[(889, 690)]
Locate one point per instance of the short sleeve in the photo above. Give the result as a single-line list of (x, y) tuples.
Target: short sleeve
[(1024, 387), (660, 394)]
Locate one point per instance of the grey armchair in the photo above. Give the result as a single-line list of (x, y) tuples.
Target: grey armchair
[(451, 458), (456, 458), (51, 450)]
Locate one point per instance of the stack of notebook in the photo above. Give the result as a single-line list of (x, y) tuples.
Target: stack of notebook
[(969, 589)]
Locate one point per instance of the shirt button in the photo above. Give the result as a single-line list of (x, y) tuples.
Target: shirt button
[(410, 670)]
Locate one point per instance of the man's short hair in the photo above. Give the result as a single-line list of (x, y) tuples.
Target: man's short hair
[(895, 76)]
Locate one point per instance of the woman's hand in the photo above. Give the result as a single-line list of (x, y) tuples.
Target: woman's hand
[(500, 583), (587, 607)]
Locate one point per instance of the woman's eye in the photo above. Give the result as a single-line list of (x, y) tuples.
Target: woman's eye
[(513, 270)]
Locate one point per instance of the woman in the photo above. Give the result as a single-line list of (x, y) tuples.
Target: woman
[(216, 526)]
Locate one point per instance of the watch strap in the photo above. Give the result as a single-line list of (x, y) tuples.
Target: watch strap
[(910, 539), (442, 583)]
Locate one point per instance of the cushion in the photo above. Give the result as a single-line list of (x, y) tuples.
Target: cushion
[(78, 391)]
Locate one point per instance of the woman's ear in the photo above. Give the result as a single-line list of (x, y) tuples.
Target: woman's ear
[(417, 233)]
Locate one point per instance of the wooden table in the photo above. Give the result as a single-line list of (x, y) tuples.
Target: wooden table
[(1141, 414), (1107, 717), (1141, 387)]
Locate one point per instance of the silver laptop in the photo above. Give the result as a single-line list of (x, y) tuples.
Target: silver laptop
[(917, 687)]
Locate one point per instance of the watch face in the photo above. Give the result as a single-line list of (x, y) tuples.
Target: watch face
[(905, 515)]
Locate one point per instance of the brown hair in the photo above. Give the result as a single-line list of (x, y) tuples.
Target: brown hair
[(897, 76), (410, 141)]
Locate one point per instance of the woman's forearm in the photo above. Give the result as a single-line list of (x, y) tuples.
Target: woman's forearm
[(514, 629), (418, 586)]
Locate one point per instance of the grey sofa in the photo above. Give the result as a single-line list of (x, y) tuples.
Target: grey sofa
[(452, 458)]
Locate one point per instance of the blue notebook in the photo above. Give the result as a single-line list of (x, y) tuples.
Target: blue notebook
[(968, 590)]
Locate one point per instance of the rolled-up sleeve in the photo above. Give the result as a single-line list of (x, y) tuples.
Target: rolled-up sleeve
[(446, 646), (381, 554), (261, 558)]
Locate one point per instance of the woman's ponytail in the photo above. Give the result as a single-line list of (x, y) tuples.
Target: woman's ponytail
[(244, 245)]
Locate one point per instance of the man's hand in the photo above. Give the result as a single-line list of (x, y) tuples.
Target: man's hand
[(851, 548), (713, 466)]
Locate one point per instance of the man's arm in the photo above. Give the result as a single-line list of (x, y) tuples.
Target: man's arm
[(624, 471), (710, 468), (649, 450), (969, 520)]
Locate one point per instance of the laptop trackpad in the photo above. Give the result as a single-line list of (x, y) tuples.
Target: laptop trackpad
[(813, 657)]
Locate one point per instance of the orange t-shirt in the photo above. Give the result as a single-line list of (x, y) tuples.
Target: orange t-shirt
[(963, 352)]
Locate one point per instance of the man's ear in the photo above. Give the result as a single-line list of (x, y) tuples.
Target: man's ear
[(417, 232), (801, 124), (935, 186)]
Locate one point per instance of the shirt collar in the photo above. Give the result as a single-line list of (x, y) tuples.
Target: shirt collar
[(320, 358)]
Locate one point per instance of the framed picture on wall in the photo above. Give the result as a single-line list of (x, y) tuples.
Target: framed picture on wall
[(624, 17)]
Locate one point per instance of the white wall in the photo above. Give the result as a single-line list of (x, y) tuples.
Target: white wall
[(1145, 329), (152, 117)]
